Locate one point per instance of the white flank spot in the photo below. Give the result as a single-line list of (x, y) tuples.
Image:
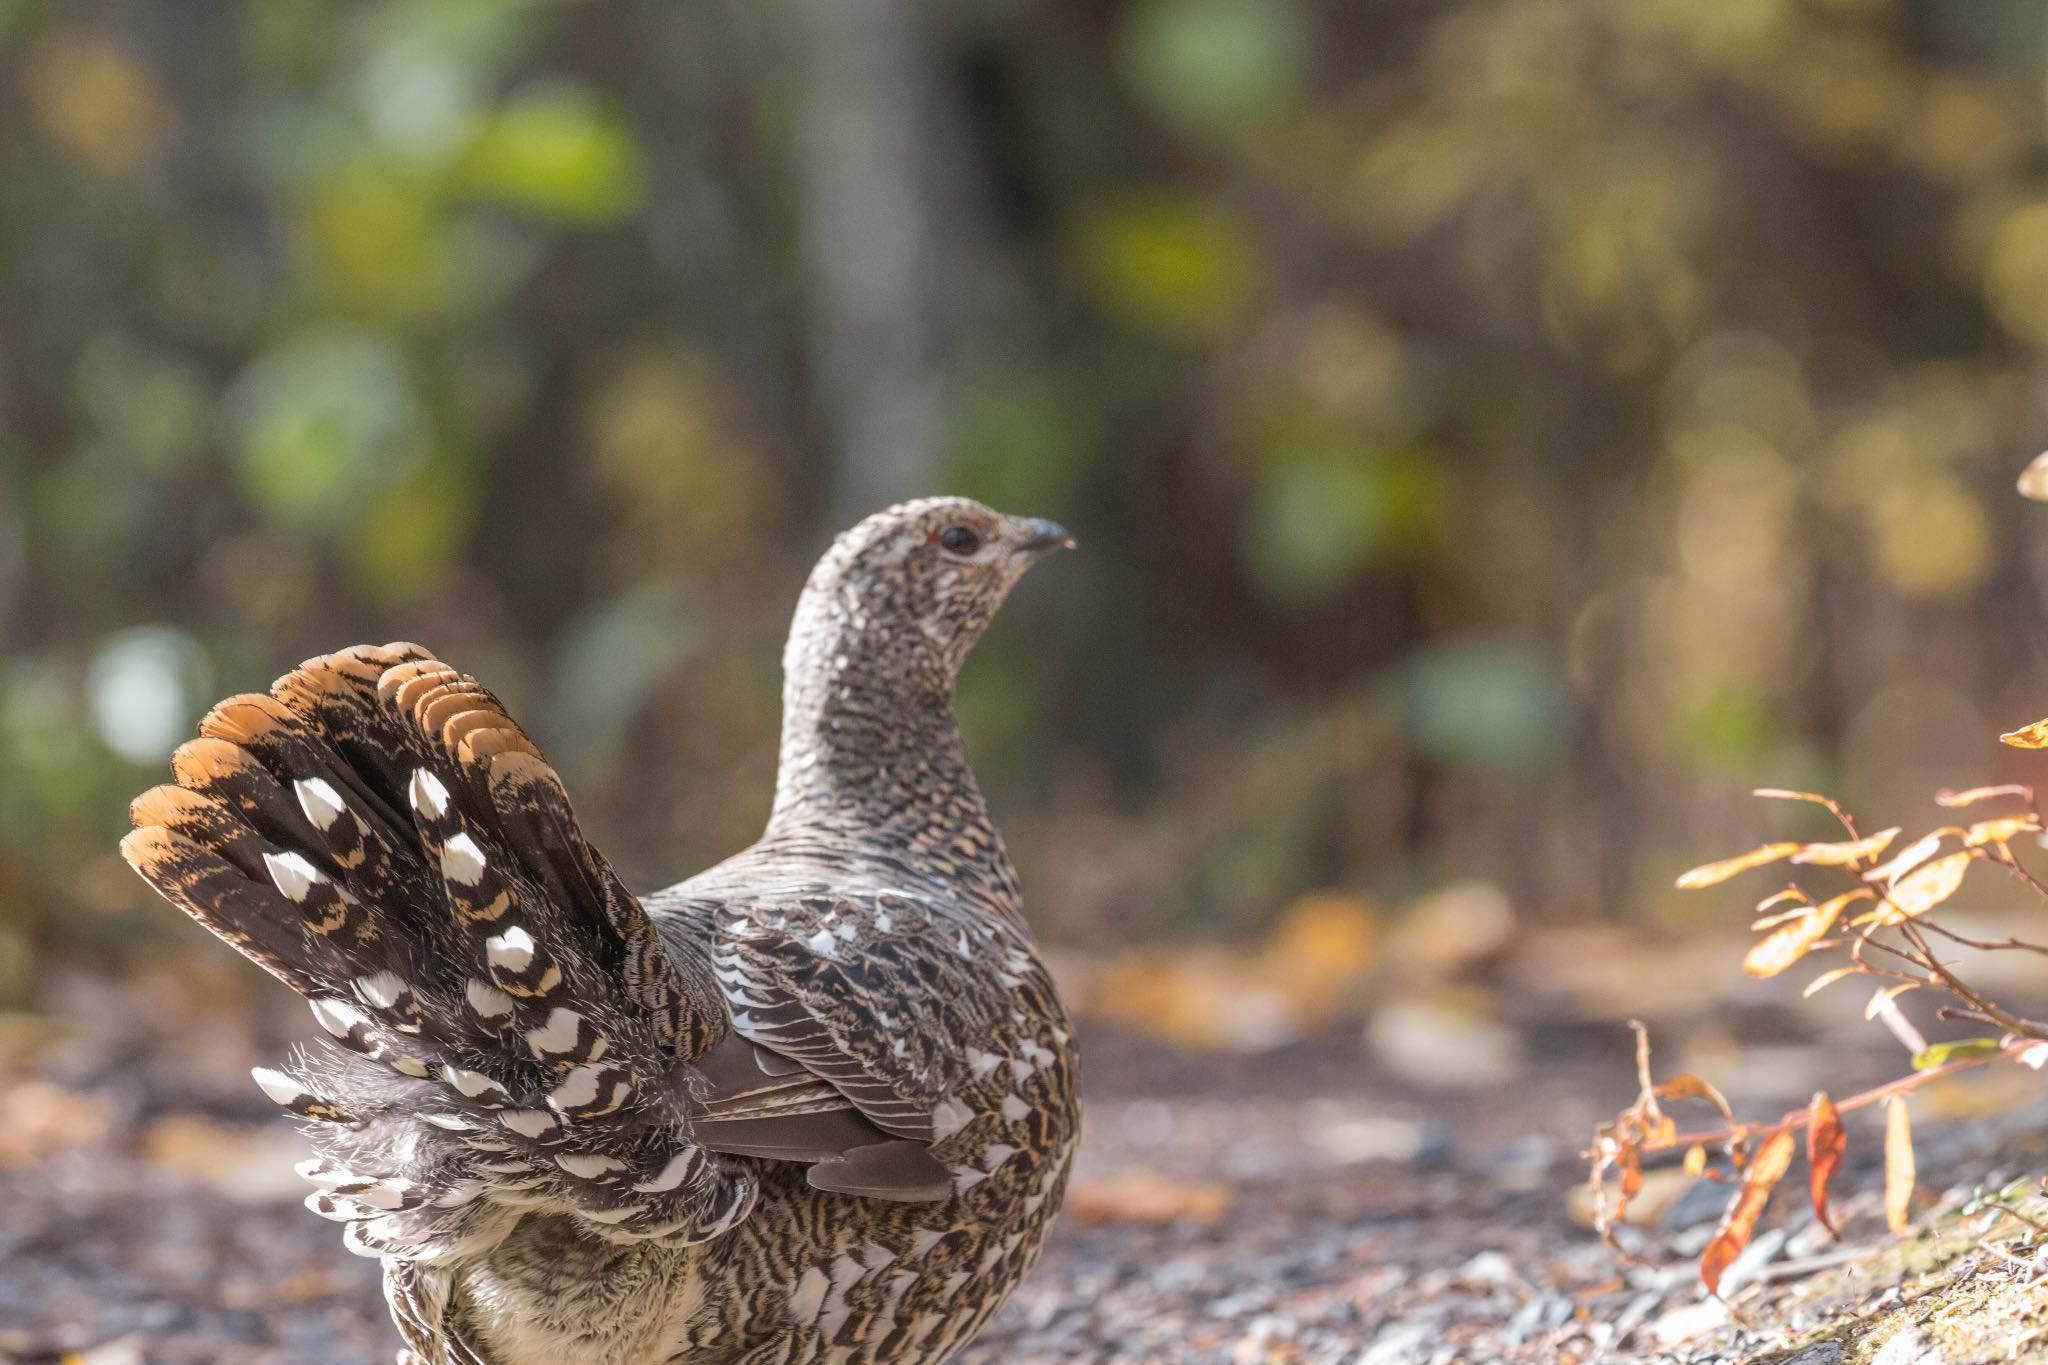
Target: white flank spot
[(1014, 1108), (381, 989), (293, 875), (949, 1117), (385, 1194), (281, 1088), (462, 862), (405, 1062), (923, 1240), (822, 943), (316, 1172), (450, 1122), (884, 922), (966, 1178), (1033, 1202), (321, 802), (487, 1000), (996, 1155), (1021, 1069), (505, 1167), (981, 1063), (558, 1034), (470, 1083), (429, 797), (589, 1167), (808, 1299), (966, 949), (876, 1256), (513, 950), (458, 1194), (528, 1122), (336, 1015), (671, 1174), (577, 1089)]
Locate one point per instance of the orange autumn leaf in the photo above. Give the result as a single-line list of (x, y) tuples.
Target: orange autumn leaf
[(1827, 979), (1791, 942), (1899, 1172), (1847, 852), (1945, 797), (1825, 1143), (1923, 888), (1772, 1160), (1686, 1086), (1909, 857), (2000, 831), (1712, 874), (1787, 794), (1142, 1195), (2033, 736), (2033, 481)]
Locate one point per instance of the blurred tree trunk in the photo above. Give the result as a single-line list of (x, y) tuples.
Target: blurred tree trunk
[(867, 245)]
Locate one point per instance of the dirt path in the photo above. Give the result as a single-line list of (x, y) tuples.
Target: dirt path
[(1290, 1208)]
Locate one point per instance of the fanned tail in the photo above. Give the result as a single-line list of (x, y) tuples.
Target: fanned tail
[(380, 836)]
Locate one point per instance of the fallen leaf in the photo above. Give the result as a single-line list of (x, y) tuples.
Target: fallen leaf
[(1769, 1165), (1140, 1194), (1825, 1143), (1712, 874), (1898, 1164)]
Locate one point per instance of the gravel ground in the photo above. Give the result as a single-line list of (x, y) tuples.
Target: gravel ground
[(1290, 1208)]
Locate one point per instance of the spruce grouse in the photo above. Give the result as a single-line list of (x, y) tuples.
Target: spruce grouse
[(815, 1104)]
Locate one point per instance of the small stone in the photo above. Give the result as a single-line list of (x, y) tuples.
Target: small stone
[(1910, 1347)]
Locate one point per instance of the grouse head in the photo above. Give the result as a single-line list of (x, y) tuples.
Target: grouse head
[(919, 582)]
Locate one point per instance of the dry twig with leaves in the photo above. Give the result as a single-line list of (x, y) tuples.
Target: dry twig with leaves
[(1886, 924)]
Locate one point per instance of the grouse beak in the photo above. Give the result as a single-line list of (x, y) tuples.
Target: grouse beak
[(1046, 536)]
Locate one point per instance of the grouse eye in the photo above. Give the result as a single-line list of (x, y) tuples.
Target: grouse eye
[(960, 540)]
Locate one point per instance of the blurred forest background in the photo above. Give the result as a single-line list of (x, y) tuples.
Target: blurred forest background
[(1500, 432)]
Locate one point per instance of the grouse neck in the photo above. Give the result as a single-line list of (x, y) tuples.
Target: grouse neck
[(872, 755)]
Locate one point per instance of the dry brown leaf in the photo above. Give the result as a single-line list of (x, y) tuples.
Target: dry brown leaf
[(1909, 857), (1945, 797), (2000, 831), (1790, 943), (2033, 481), (1142, 1195), (1923, 888), (1848, 852), (1898, 1164), (1880, 999), (1825, 1142), (1772, 1160), (1827, 979), (1787, 794), (1686, 1086), (2033, 736), (1712, 874)]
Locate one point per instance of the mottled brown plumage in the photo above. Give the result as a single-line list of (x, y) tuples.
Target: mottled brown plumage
[(815, 1104)]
